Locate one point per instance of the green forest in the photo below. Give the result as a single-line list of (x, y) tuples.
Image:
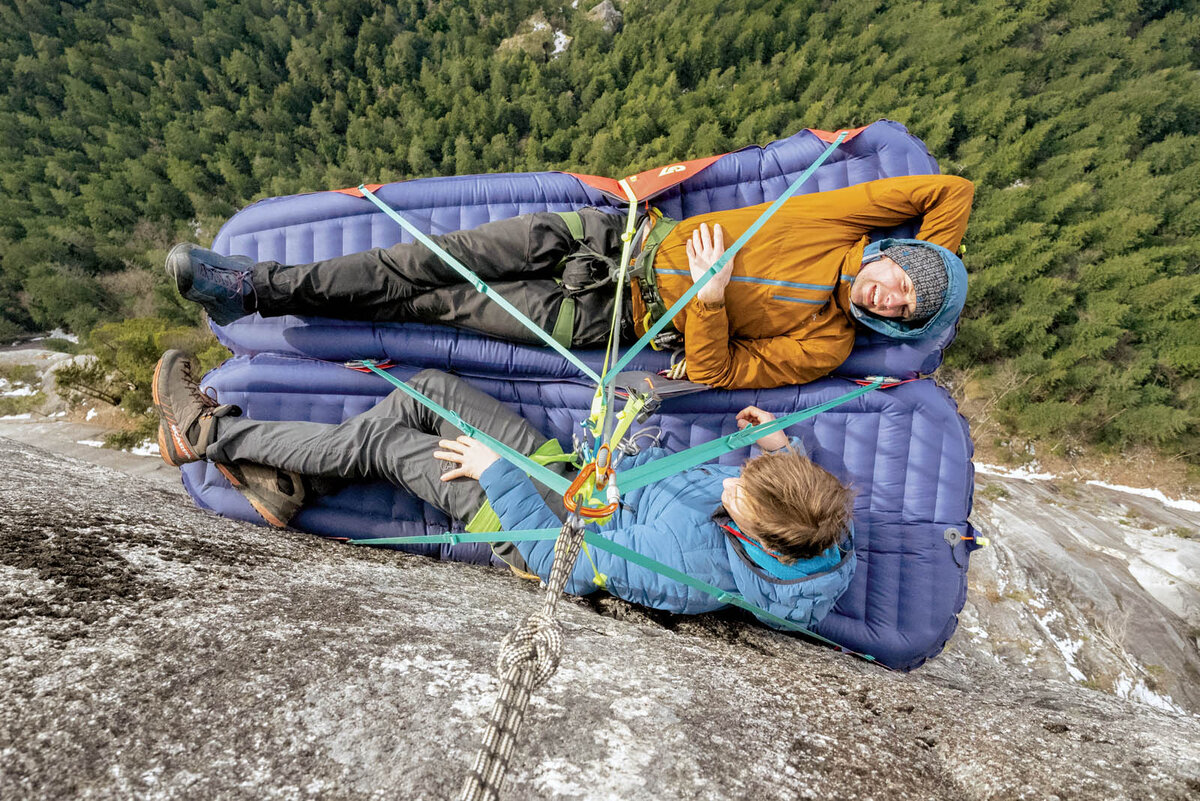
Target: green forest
[(126, 126)]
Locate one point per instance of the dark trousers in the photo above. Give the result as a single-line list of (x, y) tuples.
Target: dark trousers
[(393, 441), (521, 258)]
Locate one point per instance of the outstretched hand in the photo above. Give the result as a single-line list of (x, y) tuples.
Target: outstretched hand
[(753, 416), (471, 456), (703, 250)]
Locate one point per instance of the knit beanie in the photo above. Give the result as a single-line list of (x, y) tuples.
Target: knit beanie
[(927, 271)]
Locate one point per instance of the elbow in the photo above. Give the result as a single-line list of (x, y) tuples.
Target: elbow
[(719, 374)]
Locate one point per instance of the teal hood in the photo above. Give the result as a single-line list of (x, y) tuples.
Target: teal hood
[(944, 318)]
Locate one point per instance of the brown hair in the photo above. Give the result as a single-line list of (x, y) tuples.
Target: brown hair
[(799, 509)]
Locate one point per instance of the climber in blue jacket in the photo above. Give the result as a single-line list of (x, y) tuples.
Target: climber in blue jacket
[(775, 530)]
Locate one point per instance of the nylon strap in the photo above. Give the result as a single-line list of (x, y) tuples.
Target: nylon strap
[(564, 326), (451, 538), (534, 470), (648, 473), (721, 262), (574, 223), (603, 543), (478, 283)]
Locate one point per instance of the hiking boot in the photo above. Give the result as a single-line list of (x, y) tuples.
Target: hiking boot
[(274, 493), (221, 284), (187, 416)]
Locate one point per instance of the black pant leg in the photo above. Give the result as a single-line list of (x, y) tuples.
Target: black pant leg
[(379, 284), (394, 441)]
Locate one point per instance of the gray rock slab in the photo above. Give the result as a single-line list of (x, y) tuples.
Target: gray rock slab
[(148, 650)]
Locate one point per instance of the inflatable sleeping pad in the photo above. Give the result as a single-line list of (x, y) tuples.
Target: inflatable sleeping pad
[(906, 450)]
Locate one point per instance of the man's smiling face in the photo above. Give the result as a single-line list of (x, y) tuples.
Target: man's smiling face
[(883, 288)]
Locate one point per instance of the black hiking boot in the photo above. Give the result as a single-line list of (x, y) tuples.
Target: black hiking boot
[(274, 493), (221, 284), (187, 416)]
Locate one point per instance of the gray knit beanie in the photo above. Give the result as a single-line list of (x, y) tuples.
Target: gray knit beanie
[(927, 271)]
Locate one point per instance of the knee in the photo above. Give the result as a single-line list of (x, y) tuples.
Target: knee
[(434, 383)]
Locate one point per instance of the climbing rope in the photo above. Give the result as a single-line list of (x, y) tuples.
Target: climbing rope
[(528, 658)]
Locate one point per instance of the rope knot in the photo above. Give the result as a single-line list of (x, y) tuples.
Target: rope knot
[(534, 646)]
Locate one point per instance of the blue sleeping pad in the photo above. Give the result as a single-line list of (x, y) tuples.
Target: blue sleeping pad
[(906, 450)]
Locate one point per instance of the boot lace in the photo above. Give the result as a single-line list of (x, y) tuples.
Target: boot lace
[(207, 402)]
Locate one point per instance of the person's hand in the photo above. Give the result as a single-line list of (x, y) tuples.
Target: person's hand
[(752, 416), (471, 456), (703, 250)]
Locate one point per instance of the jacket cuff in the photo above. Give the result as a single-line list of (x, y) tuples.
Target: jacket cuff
[(499, 478)]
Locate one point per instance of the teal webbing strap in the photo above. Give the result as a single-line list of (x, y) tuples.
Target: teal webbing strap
[(478, 283), (536, 471), (605, 544), (638, 346), (732, 598), (648, 473), (450, 538)]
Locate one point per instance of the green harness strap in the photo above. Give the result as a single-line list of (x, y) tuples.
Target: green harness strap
[(564, 324), (479, 285), (603, 543), (486, 518), (534, 470), (574, 223), (648, 473), (721, 262)]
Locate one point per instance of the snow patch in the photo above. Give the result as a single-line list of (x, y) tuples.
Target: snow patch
[(58, 333), (26, 416), (1019, 473), (147, 447), (91, 443), (1157, 495), (91, 415), (1136, 690), (561, 40)]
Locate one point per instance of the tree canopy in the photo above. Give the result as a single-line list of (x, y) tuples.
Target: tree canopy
[(125, 125)]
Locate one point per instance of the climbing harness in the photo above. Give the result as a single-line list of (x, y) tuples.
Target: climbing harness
[(529, 655)]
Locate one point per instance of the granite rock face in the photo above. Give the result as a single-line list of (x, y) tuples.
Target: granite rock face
[(149, 650), (607, 15)]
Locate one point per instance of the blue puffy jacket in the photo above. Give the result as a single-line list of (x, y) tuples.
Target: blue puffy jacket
[(671, 521)]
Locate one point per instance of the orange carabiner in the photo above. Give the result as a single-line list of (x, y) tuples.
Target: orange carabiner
[(573, 491)]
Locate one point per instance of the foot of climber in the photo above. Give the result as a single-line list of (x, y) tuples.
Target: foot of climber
[(187, 416), (275, 494), (221, 284)]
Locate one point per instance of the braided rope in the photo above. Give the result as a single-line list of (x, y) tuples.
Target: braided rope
[(529, 656)]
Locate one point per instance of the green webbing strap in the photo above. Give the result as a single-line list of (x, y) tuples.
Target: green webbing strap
[(574, 223), (564, 326), (614, 333), (638, 346), (732, 598), (534, 470), (605, 544), (486, 519), (478, 283), (522, 535), (648, 473)]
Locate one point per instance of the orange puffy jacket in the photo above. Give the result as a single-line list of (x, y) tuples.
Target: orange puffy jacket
[(786, 316)]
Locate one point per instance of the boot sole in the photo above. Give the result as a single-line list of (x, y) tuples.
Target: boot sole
[(172, 445), (175, 260), (248, 494)]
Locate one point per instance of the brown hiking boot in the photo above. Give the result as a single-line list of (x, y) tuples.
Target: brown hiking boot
[(187, 417), (274, 493)]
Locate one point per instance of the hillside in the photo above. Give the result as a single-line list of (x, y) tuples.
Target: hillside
[(124, 127)]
